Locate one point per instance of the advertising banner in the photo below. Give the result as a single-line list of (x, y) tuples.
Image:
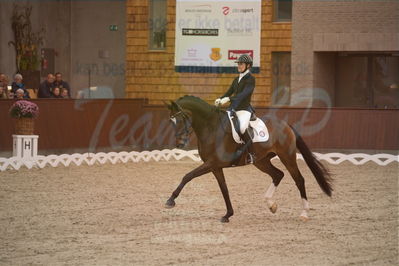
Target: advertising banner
[(211, 35)]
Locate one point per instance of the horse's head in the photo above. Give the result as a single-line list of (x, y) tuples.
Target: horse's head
[(182, 122)]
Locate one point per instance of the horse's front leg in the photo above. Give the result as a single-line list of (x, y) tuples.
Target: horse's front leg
[(223, 187), (200, 170)]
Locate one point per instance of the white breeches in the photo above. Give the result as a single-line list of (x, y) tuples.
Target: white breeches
[(243, 117)]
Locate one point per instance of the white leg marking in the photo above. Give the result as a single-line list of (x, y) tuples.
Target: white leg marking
[(270, 191), (304, 214), (269, 194), (305, 205)]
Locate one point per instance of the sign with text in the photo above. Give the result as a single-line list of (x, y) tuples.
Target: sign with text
[(211, 35)]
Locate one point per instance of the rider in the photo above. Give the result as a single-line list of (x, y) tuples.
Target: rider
[(239, 96)]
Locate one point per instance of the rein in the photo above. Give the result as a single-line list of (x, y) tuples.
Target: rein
[(187, 130), (223, 122)]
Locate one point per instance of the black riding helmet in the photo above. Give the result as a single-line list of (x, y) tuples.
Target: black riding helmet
[(244, 58)]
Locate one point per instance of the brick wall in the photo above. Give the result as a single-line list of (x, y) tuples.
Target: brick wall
[(151, 74), (325, 26)]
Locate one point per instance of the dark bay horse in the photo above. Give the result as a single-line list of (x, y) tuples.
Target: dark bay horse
[(217, 149)]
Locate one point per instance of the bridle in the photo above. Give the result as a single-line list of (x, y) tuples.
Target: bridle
[(186, 130)]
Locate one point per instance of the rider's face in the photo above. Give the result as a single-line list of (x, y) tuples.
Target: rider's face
[(241, 67)]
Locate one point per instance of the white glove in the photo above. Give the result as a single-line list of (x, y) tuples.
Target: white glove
[(224, 100), (217, 101)]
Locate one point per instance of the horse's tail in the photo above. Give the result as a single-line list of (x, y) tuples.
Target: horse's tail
[(321, 173)]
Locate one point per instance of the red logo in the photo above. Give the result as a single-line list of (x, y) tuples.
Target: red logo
[(235, 54), (226, 10)]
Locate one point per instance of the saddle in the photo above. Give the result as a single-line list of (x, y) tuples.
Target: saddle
[(257, 129)]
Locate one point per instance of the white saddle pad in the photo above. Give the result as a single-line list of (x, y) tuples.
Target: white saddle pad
[(261, 134)]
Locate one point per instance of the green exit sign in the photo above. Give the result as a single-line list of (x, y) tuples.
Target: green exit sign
[(113, 27)]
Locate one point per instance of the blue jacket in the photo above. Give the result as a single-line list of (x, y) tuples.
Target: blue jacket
[(15, 87), (240, 93)]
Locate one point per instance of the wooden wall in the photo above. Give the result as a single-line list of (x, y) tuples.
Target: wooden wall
[(150, 74), (133, 124)]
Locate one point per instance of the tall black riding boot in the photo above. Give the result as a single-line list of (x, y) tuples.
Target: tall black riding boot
[(248, 146)]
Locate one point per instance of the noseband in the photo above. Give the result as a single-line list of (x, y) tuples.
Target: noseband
[(187, 129)]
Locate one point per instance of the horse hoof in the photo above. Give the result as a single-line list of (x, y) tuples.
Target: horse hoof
[(304, 217), (273, 208), (170, 204), (224, 220)]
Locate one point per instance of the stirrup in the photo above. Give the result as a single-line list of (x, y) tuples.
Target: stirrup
[(250, 158)]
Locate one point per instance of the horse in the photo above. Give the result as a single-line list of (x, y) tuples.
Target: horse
[(217, 149)]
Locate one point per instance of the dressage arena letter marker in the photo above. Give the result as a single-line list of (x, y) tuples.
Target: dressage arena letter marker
[(25, 146)]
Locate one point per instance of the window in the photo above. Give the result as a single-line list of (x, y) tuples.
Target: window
[(157, 25), (281, 74), (368, 81), (282, 10)]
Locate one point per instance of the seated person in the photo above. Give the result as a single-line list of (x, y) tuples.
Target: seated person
[(4, 85), (56, 93), (3, 93), (17, 84), (3, 80), (62, 84), (65, 93), (46, 87), (20, 94)]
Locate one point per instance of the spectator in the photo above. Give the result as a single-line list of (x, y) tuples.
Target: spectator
[(46, 87), (17, 84), (65, 93), (3, 80), (62, 84), (56, 93), (3, 93), (19, 94), (3, 86)]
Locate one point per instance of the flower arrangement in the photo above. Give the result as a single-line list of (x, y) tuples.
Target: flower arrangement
[(26, 42), (24, 109)]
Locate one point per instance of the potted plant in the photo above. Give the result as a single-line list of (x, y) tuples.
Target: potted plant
[(26, 44), (24, 112)]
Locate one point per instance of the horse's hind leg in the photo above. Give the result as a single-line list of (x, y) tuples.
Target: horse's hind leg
[(289, 160), (266, 166)]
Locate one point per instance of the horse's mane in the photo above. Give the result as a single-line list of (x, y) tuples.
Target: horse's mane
[(198, 102), (192, 98)]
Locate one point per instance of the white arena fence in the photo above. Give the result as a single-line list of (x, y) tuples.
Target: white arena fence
[(15, 163)]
